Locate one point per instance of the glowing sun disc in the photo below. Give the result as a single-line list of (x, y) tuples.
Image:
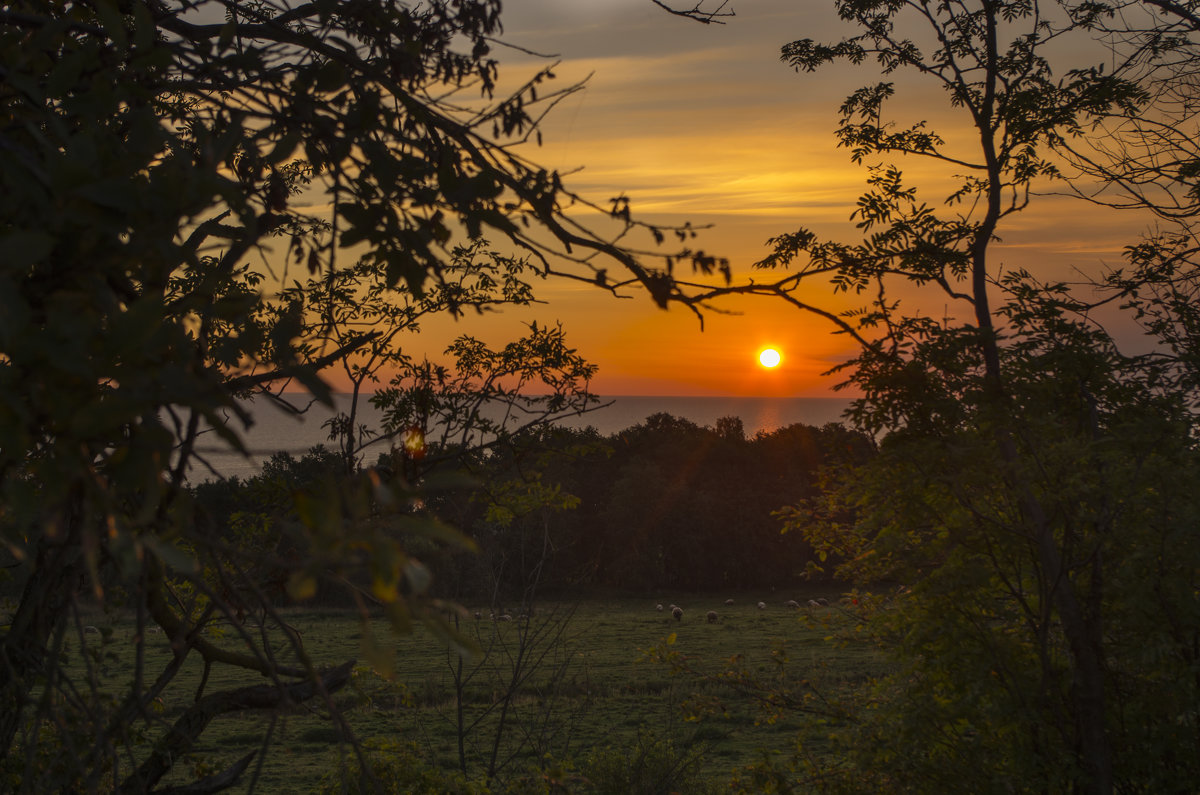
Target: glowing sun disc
[(769, 358)]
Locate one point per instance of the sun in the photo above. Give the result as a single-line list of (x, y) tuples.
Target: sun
[(769, 357)]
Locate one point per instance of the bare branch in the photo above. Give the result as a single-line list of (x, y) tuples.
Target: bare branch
[(698, 13), (183, 735)]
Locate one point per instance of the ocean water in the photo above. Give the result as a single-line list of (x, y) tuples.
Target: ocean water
[(275, 430)]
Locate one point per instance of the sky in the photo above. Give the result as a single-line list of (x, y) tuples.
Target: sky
[(705, 124)]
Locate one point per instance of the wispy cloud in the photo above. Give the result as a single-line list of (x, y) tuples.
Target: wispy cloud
[(703, 123)]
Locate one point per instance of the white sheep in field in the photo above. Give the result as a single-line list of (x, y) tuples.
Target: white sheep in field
[(762, 605), (504, 617), (712, 616), (822, 601), (659, 608), (813, 603), (728, 602), (791, 603), (89, 629), (677, 612)]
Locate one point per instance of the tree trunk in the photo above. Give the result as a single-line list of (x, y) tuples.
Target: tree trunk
[(1087, 692)]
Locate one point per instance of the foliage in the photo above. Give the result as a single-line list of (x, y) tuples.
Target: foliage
[(987, 686), (1022, 541), (663, 504), (166, 172), (575, 512), (1147, 160), (690, 507), (484, 402), (478, 401)]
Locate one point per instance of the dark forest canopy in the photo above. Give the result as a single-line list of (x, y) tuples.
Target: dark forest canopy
[(665, 504)]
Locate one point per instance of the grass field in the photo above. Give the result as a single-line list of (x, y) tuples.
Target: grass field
[(587, 685)]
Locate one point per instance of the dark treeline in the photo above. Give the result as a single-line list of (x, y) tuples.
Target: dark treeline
[(665, 504)]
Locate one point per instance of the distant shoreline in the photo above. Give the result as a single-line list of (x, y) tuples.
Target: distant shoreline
[(276, 431)]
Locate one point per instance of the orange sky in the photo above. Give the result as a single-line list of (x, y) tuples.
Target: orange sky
[(705, 124)]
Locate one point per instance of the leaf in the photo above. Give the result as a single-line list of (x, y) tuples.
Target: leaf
[(385, 589), (313, 382), (399, 617), (225, 38), (380, 657), (66, 74), (133, 329), (171, 555), (283, 148), (115, 194), (144, 27), (301, 585), (418, 576), (458, 642), (25, 247), (113, 22)]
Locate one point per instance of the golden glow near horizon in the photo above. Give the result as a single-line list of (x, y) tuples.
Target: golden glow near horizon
[(769, 358), (702, 123)]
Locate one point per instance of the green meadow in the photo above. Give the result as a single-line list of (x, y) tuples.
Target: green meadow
[(575, 685)]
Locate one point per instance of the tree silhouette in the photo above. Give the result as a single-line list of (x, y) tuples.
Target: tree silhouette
[(1024, 456), (168, 172)]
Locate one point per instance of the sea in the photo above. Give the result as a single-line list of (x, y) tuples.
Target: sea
[(276, 430)]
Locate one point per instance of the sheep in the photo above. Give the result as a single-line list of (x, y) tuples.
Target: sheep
[(90, 629), (677, 612), (504, 617), (659, 608), (762, 605), (712, 616), (822, 601), (672, 607), (728, 602), (791, 603), (813, 603)]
